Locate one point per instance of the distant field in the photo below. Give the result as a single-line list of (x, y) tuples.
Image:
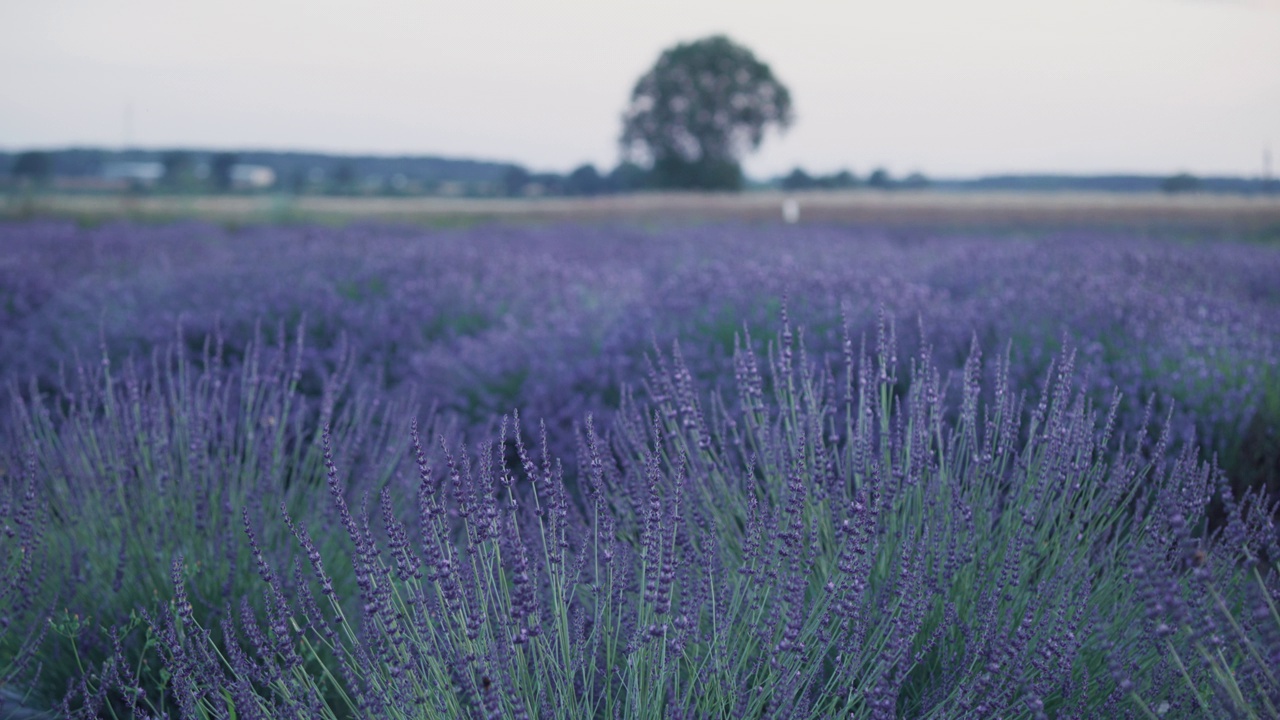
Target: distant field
[(1257, 216)]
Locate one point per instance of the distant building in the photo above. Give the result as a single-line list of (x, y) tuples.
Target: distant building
[(133, 173), (451, 188), (252, 177)]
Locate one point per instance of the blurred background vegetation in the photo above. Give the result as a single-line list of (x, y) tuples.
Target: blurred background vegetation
[(689, 122)]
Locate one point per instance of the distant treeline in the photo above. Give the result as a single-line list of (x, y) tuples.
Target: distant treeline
[(1182, 182), (183, 170), (207, 170), (798, 179), (199, 171)]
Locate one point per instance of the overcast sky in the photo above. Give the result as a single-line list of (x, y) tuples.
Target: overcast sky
[(947, 87)]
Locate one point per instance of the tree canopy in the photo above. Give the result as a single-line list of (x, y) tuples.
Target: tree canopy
[(699, 109), (33, 166)]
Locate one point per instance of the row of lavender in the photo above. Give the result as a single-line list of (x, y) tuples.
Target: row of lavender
[(935, 517), (812, 544), (556, 320)]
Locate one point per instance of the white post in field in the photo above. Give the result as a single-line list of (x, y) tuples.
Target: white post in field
[(790, 211)]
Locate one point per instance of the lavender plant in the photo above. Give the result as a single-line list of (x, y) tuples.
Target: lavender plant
[(23, 569), (145, 462), (554, 320), (967, 499), (877, 542), (994, 540)]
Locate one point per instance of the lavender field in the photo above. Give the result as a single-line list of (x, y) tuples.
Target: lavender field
[(637, 471)]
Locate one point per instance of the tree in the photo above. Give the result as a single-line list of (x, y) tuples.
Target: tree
[(880, 179), (298, 181), (701, 106), (915, 181), (179, 168), (626, 177), (843, 179), (514, 178), (1180, 183), (344, 179), (798, 180), (585, 180), (33, 166), (220, 170)]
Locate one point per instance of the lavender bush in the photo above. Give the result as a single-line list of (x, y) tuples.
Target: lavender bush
[(819, 545), (23, 568), (797, 528), (555, 320), (174, 456)]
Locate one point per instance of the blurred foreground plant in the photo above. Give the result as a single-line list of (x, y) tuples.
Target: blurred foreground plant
[(23, 570), (166, 458), (872, 543)]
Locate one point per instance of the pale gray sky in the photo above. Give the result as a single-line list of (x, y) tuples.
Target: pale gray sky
[(949, 87)]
